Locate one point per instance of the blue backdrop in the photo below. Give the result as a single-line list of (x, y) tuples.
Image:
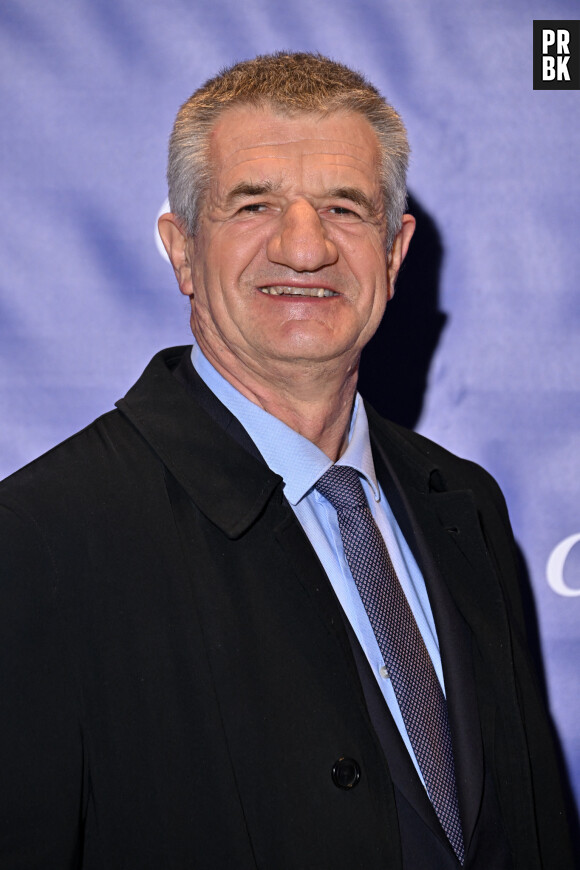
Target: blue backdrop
[(89, 90)]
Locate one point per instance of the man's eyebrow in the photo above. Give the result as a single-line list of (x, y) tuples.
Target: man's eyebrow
[(248, 188), (354, 194)]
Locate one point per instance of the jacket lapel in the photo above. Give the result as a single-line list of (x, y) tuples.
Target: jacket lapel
[(442, 529), (227, 483)]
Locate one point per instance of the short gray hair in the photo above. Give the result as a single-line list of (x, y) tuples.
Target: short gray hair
[(289, 83)]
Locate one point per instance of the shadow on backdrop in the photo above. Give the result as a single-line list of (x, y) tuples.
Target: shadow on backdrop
[(395, 364)]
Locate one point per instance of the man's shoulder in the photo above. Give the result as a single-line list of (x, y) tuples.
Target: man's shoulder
[(444, 469), (74, 466), (93, 459)]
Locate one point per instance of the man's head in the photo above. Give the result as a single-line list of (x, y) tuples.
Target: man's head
[(290, 84), (287, 188)]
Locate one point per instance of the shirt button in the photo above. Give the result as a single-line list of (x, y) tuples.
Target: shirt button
[(384, 672)]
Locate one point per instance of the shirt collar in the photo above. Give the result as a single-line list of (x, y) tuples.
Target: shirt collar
[(296, 459)]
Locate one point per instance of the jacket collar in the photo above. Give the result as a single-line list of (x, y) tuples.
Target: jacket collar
[(232, 487), (441, 508), (229, 485), (440, 517)]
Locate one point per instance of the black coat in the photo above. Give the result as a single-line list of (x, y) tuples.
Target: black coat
[(177, 678)]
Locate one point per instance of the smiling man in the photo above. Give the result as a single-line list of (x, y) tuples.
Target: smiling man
[(247, 623), (288, 270)]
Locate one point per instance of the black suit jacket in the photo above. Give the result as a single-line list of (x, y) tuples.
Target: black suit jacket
[(178, 680)]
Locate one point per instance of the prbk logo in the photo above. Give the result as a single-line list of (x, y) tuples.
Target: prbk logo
[(557, 55)]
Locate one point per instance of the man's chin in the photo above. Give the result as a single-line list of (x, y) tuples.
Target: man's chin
[(308, 352)]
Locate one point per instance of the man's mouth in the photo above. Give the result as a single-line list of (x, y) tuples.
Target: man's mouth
[(281, 290)]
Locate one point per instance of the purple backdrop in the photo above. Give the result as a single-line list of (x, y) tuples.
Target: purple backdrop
[(88, 93)]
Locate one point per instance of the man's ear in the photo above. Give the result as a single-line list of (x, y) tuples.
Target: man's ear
[(176, 243), (399, 250)]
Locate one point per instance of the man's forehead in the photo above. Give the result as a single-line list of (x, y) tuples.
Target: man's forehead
[(247, 136)]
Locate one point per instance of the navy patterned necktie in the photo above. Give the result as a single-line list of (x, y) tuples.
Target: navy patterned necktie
[(417, 689)]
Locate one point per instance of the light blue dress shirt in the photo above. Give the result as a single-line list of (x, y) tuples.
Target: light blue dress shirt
[(301, 463)]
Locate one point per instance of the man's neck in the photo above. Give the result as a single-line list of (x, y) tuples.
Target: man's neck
[(314, 399)]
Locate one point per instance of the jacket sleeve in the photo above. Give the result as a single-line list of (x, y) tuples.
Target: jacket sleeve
[(41, 756), (553, 800)]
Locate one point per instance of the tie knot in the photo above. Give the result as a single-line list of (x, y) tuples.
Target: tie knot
[(341, 486)]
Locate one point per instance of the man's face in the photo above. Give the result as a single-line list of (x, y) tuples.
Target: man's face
[(289, 261)]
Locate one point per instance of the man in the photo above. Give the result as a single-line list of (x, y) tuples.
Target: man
[(213, 656)]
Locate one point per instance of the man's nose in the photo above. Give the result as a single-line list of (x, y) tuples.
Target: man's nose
[(300, 241)]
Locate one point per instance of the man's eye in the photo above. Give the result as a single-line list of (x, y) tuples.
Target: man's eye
[(341, 210), (253, 207)]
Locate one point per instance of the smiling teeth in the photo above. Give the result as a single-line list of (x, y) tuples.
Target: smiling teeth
[(298, 291)]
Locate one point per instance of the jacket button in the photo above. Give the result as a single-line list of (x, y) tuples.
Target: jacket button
[(345, 773)]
